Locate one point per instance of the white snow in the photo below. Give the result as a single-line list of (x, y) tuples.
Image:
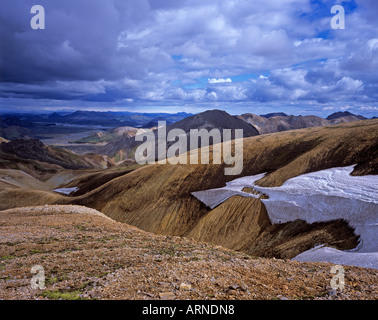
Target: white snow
[(66, 191), (319, 196), (325, 254), (214, 197)]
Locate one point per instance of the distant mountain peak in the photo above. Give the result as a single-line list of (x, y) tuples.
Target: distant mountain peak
[(55, 115), (341, 114), (274, 114), (212, 119)]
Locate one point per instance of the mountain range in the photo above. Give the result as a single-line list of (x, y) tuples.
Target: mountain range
[(116, 119), (45, 126), (276, 122), (213, 119), (117, 142), (121, 142)]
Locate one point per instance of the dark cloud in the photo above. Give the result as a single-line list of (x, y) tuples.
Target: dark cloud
[(79, 42), (163, 51)]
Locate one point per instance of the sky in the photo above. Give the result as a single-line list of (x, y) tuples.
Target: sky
[(241, 56)]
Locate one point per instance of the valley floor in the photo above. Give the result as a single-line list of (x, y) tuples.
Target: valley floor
[(86, 255)]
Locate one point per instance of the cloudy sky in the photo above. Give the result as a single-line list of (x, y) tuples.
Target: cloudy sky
[(241, 56)]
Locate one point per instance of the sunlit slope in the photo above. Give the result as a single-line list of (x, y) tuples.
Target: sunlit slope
[(92, 180), (18, 179), (158, 197), (15, 198), (19, 189)]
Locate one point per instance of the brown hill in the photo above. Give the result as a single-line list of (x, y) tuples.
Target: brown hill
[(46, 162), (92, 180), (18, 179), (16, 198), (99, 161), (110, 135), (88, 256), (33, 149), (157, 198)]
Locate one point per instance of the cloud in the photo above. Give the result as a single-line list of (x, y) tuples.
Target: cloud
[(213, 80), (363, 108), (190, 52)]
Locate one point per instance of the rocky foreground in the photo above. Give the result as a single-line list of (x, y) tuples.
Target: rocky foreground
[(85, 255)]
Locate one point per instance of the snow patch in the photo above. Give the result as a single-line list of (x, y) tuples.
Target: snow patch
[(66, 191), (214, 197), (317, 197), (325, 254)]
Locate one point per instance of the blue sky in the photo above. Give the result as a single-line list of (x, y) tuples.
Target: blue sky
[(170, 56)]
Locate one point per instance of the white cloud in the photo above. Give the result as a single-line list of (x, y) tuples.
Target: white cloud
[(373, 44), (212, 95), (213, 80), (348, 84), (368, 108)]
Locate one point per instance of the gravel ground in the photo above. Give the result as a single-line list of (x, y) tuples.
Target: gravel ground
[(85, 255)]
